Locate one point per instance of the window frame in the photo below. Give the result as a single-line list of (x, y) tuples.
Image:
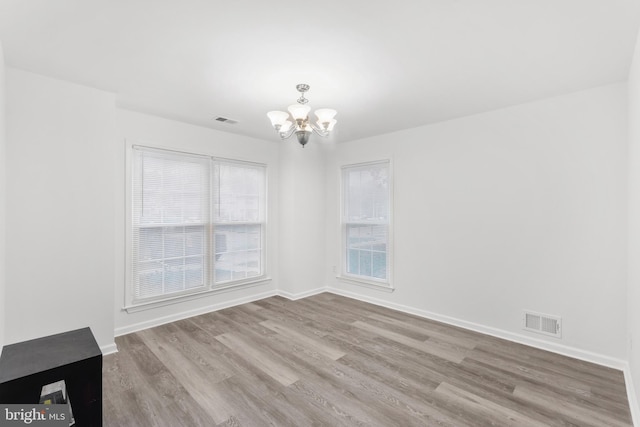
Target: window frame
[(131, 304), (343, 275)]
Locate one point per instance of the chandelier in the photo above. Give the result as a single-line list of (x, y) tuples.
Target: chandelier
[(297, 119)]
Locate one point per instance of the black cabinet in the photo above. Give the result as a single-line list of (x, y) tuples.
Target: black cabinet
[(71, 356)]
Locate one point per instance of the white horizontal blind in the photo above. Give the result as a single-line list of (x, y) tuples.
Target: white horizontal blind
[(239, 220), (170, 221), (366, 214)]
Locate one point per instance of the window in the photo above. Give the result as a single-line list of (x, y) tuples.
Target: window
[(366, 212), (239, 221), (197, 223)]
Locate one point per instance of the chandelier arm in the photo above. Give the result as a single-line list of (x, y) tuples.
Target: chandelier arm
[(287, 135), (322, 132), (302, 127)]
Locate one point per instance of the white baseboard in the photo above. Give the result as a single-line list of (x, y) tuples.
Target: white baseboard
[(300, 295), (202, 310), (499, 333), (109, 349), (631, 395), (564, 350), (190, 313)]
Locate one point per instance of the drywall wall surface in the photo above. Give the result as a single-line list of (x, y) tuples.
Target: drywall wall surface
[(302, 217), (3, 192), (135, 128), (519, 208), (633, 299), (60, 208)]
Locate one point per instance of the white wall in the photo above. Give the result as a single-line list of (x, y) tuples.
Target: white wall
[(2, 198), (144, 129), (523, 207), (302, 205), (633, 298), (60, 208), (520, 208)]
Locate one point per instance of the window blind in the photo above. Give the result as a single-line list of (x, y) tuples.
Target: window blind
[(197, 222), (239, 220), (170, 222)]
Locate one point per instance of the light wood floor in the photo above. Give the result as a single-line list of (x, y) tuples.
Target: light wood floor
[(329, 360)]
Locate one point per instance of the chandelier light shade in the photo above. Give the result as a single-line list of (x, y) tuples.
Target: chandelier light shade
[(299, 112), (278, 118), (297, 119)]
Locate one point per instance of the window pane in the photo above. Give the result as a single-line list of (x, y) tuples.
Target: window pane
[(367, 193), (171, 188), (239, 192), (366, 219), (223, 269), (238, 251), (194, 272), (367, 237), (378, 238), (149, 279), (353, 262), (253, 263), (173, 275), (194, 241), (150, 244), (379, 265), (365, 263), (173, 242)]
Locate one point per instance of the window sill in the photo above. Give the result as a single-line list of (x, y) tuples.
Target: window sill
[(148, 305), (380, 286)]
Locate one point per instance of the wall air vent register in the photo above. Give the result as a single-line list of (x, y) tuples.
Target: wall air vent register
[(542, 323)]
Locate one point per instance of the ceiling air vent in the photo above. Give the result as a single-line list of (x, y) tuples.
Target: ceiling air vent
[(225, 120), (542, 323)]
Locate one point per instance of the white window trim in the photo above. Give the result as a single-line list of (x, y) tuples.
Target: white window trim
[(129, 303), (352, 279), (176, 299)]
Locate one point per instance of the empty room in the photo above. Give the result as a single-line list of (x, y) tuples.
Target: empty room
[(245, 213)]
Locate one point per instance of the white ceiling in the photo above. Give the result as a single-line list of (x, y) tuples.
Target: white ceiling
[(384, 65)]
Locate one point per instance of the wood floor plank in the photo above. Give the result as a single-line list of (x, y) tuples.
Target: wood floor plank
[(217, 352), (263, 361), (314, 344), (429, 333), (343, 412), (607, 404), (168, 343), (334, 361), (255, 409), (383, 402), (582, 415), (412, 374), (445, 352), (605, 376), (486, 410), (168, 405), (206, 393), (523, 371)]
